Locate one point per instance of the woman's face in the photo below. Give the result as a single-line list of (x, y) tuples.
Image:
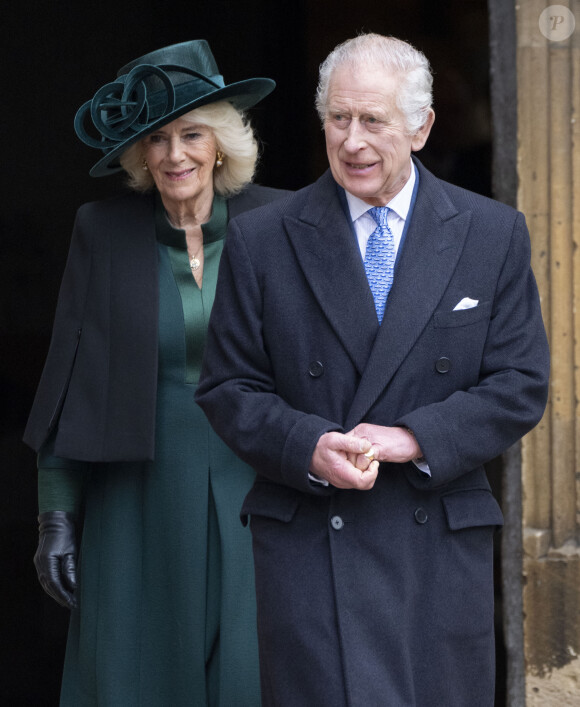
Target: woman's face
[(181, 157)]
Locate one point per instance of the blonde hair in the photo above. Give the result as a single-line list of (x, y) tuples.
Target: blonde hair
[(234, 137), (414, 95)]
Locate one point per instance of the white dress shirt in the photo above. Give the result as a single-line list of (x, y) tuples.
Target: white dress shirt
[(364, 223)]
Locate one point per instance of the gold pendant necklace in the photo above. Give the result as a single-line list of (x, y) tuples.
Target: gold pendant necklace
[(195, 262)]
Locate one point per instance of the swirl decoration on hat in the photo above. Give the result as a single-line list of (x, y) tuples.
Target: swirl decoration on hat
[(124, 108)]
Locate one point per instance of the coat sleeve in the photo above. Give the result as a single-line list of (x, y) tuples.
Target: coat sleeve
[(65, 338), (472, 426), (237, 390)]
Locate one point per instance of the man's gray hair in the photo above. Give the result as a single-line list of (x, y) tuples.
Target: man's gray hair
[(414, 97)]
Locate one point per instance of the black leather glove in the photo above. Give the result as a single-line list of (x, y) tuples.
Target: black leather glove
[(56, 556)]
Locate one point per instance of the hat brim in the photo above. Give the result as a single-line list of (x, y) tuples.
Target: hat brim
[(242, 95)]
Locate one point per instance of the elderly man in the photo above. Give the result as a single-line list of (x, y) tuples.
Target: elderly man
[(376, 338)]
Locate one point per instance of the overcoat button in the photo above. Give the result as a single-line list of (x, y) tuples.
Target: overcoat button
[(443, 365), (316, 369), (337, 522), (421, 516)]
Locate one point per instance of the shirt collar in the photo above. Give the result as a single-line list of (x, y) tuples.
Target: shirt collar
[(400, 203)]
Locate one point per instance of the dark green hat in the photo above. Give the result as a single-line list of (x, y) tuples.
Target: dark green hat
[(155, 89)]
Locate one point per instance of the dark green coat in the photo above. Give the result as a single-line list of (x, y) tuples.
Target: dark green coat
[(166, 598)]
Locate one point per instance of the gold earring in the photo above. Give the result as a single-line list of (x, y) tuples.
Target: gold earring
[(220, 158), (144, 164)]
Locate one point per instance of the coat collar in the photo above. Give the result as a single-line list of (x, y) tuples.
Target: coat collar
[(330, 259)]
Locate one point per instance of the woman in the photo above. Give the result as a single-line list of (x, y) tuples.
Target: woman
[(163, 602)]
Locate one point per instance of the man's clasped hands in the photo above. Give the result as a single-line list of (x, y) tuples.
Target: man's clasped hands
[(351, 460)]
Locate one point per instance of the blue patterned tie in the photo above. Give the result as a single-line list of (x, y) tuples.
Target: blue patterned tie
[(380, 259)]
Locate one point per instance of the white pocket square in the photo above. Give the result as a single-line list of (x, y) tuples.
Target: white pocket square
[(466, 303)]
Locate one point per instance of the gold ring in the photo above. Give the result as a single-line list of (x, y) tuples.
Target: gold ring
[(370, 454)]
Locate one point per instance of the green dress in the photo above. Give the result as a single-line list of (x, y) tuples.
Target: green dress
[(166, 614)]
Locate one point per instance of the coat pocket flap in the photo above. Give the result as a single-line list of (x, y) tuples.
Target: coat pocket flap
[(471, 508), (462, 317), (271, 501)]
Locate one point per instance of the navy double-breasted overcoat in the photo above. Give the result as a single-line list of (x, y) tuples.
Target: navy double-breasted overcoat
[(380, 597)]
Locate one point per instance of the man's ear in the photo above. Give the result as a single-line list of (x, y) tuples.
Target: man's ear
[(420, 137)]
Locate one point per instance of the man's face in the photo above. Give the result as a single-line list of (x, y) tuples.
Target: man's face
[(367, 143)]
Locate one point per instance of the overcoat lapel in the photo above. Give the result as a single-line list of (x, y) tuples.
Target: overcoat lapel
[(430, 254), (330, 259)]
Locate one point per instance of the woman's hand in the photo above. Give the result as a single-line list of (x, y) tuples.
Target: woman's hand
[(55, 557)]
